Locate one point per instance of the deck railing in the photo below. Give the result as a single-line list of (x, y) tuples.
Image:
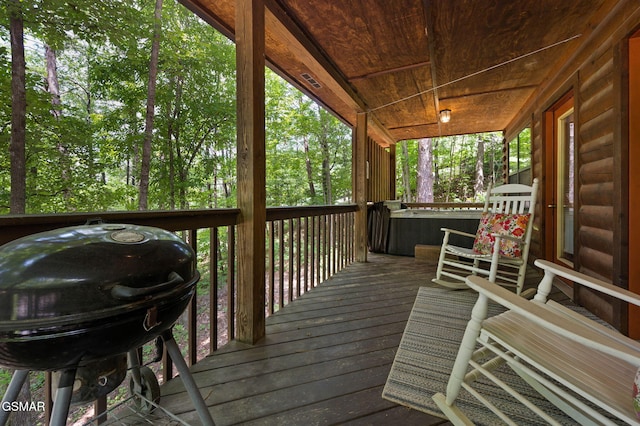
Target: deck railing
[(304, 247), (445, 206)]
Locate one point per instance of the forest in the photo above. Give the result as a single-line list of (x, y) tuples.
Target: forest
[(131, 105), (88, 96)]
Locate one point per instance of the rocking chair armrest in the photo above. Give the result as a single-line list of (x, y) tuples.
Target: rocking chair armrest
[(551, 270), (555, 322), (455, 231)]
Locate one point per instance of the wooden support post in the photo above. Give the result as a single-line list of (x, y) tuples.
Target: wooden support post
[(392, 172), (360, 186), (250, 63)]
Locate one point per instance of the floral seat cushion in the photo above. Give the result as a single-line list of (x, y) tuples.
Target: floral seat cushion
[(514, 225)]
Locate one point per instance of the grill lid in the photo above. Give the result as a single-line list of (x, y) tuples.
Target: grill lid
[(86, 270)]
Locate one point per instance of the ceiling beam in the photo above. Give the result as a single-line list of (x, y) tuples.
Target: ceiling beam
[(428, 18), (321, 68), (209, 17)]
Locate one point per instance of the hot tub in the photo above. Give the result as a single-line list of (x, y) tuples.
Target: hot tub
[(409, 227)]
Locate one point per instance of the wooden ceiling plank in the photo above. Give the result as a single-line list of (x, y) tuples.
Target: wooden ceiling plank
[(321, 68), (374, 41), (490, 92), (390, 71)]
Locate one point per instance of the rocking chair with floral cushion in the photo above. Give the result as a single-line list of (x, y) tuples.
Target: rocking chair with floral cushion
[(500, 246)]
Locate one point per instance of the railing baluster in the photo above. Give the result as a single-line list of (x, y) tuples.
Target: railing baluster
[(340, 240), (334, 234), (306, 254), (319, 254), (272, 268), (231, 282), (325, 246), (213, 289), (291, 255), (48, 396), (192, 310), (100, 409), (312, 261), (298, 222), (281, 266)]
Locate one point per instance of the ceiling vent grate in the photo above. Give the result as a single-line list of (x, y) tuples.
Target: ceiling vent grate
[(312, 81)]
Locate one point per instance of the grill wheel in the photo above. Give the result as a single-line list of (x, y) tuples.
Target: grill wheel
[(149, 391)]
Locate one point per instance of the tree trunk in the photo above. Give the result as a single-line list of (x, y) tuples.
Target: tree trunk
[(436, 170), (53, 88), (479, 185), (312, 189), (172, 175), (326, 171), (451, 167), (425, 171), (17, 145), (406, 182), (173, 135), (18, 110), (151, 100)]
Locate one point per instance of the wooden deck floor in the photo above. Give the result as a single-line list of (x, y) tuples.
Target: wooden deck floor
[(325, 359)]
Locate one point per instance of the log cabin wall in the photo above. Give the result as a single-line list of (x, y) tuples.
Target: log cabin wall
[(596, 74), (381, 171), (597, 209), (537, 171)]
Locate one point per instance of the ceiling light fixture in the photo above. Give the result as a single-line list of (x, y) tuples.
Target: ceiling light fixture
[(445, 115)]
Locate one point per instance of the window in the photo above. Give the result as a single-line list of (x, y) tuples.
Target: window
[(519, 155)]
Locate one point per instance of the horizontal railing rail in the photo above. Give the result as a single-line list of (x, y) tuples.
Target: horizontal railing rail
[(445, 206), (304, 247), (16, 226)]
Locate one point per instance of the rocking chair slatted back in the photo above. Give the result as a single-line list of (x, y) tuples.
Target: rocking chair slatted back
[(509, 199), (456, 262)]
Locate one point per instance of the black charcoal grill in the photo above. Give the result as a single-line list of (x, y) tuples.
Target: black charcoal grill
[(80, 300)]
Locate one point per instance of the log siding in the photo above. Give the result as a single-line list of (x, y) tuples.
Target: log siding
[(596, 75)]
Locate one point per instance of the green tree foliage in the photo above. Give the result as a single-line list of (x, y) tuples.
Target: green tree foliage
[(295, 123), (89, 159)]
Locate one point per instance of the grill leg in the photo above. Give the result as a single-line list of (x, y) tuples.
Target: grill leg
[(63, 398), (134, 366), (187, 378), (17, 380)]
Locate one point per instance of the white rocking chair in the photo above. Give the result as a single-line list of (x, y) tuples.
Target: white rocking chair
[(574, 362), (501, 245)]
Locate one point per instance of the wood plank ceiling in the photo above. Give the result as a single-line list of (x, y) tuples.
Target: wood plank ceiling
[(405, 60)]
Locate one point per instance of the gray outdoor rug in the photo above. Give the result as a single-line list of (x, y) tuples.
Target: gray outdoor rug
[(426, 355)]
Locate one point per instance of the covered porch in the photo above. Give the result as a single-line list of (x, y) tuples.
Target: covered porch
[(325, 358)]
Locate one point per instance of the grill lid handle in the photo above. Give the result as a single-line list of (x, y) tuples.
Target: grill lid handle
[(124, 292)]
